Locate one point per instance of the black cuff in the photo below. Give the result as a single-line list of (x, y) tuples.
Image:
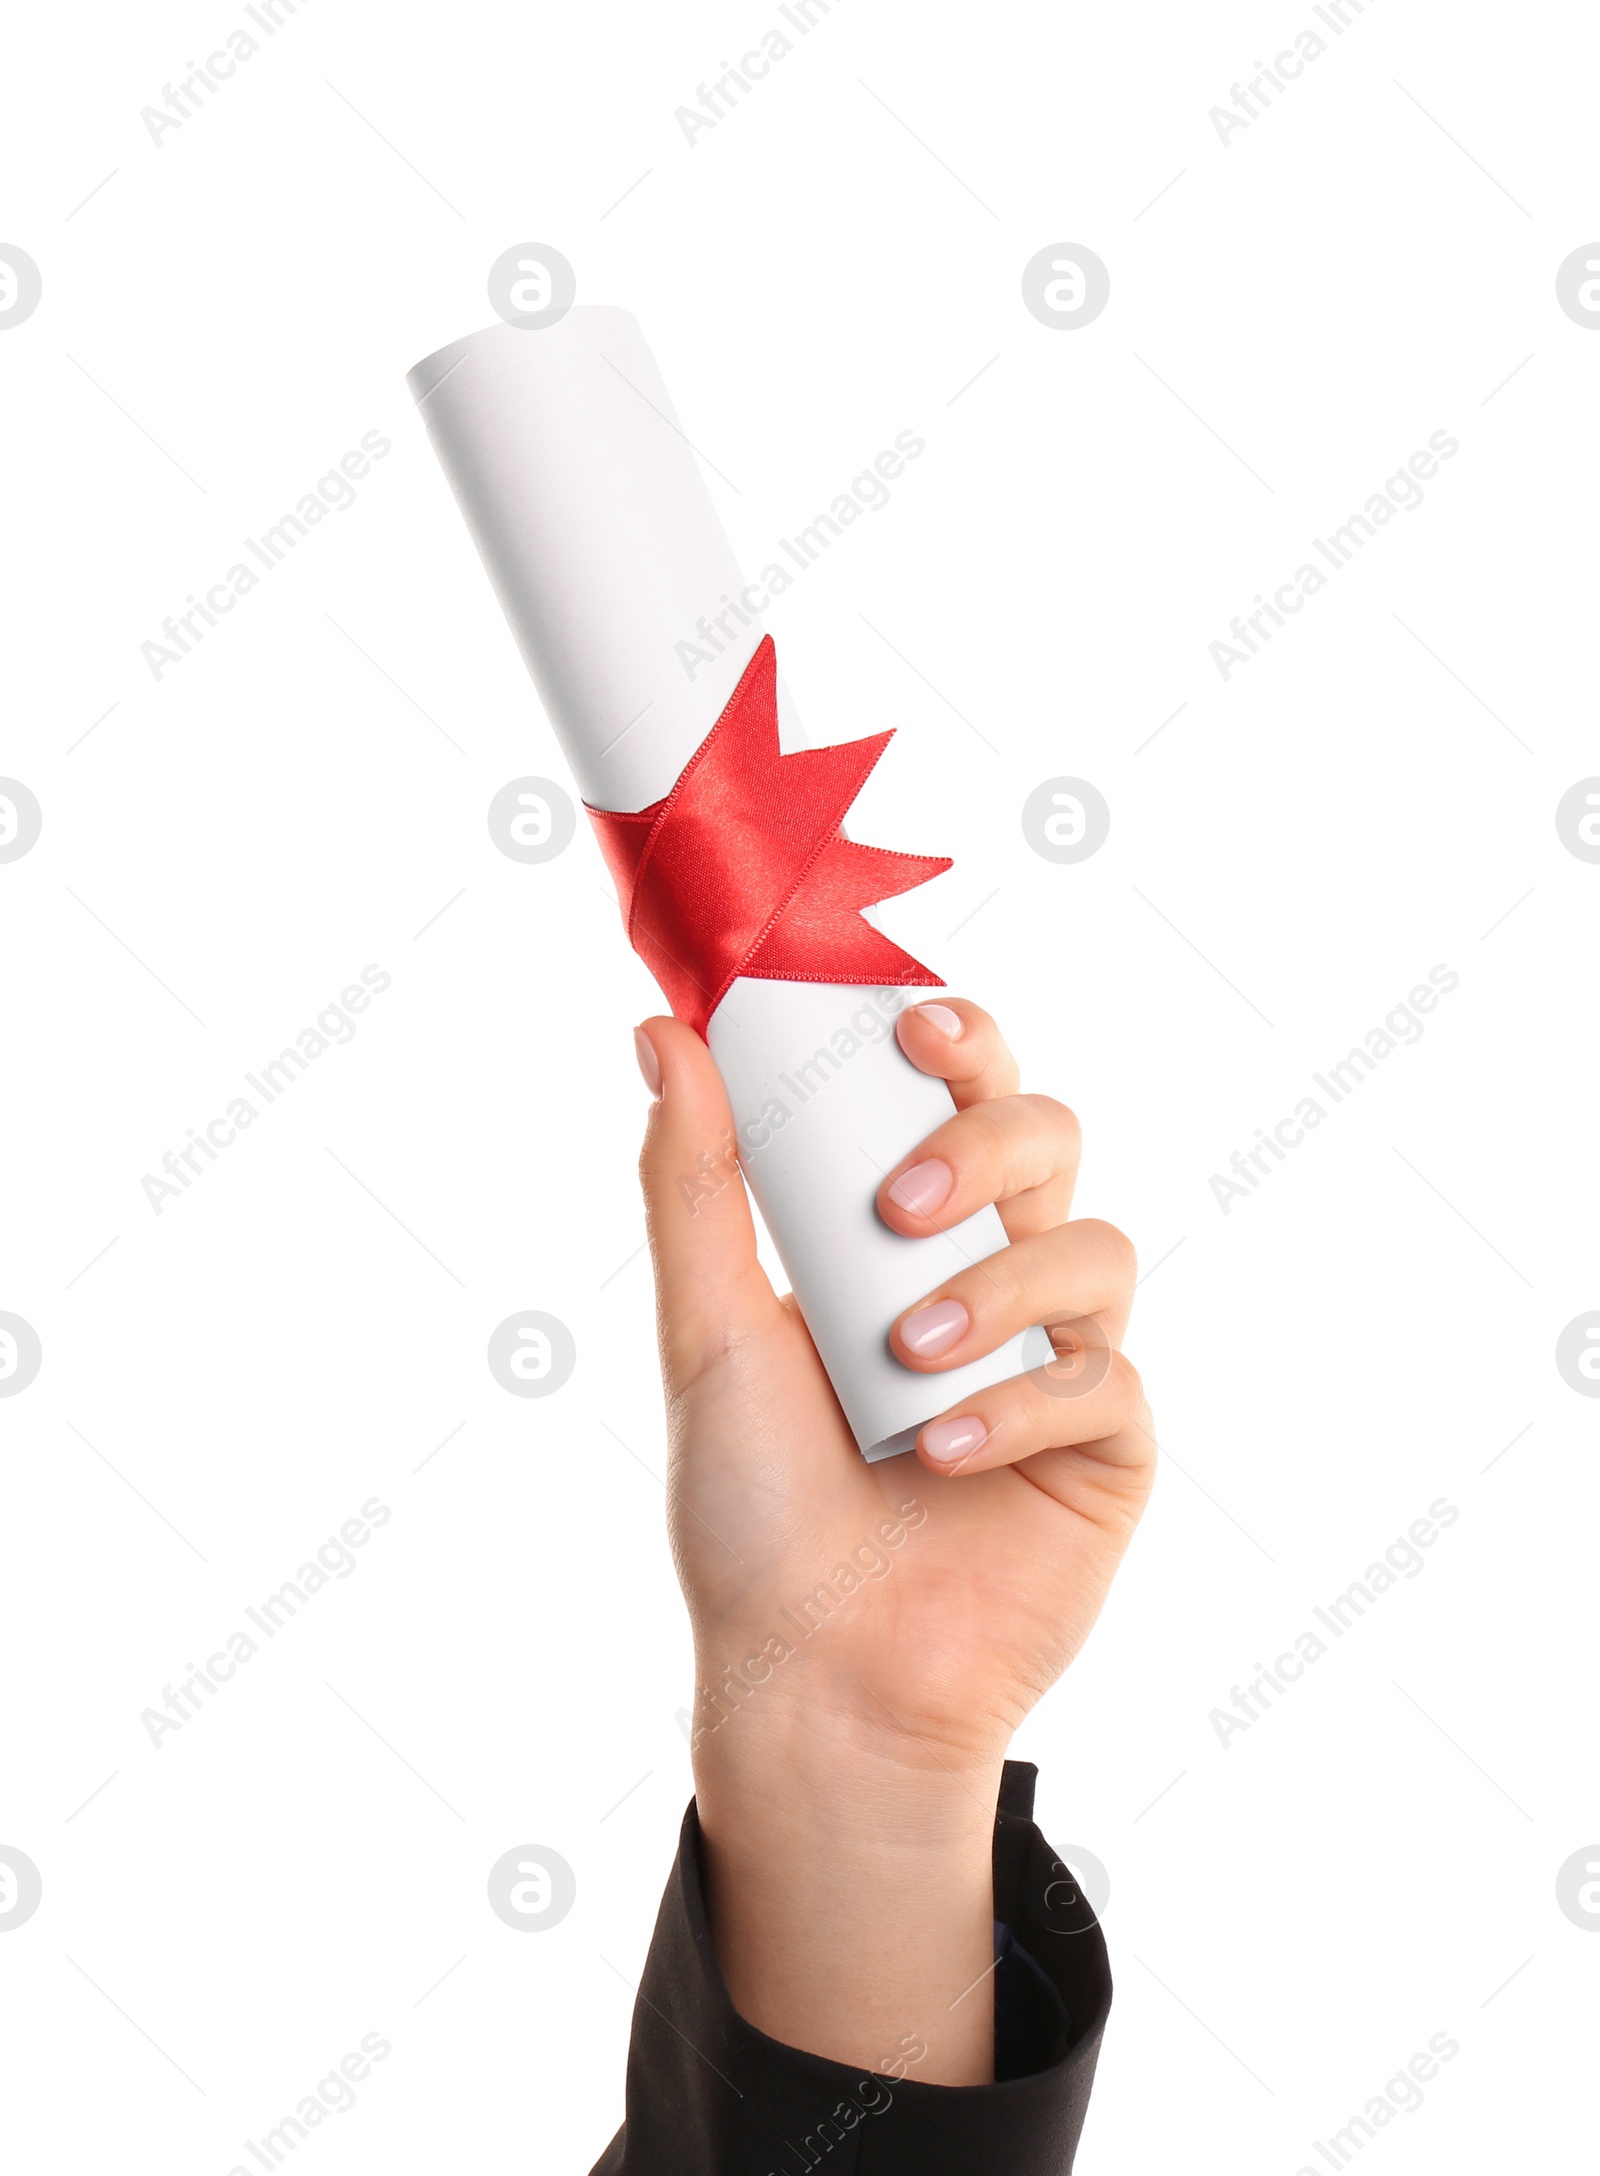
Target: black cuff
[(709, 2095)]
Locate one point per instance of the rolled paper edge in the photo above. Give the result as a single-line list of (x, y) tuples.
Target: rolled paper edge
[(492, 350)]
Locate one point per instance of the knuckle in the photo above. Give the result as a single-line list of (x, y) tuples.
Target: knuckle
[(1056, 1118), (1127, 1384), (1006, 1072), (995, 1288), (1120, 1253)]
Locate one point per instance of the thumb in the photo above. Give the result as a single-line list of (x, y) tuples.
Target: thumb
[(710, 1288)]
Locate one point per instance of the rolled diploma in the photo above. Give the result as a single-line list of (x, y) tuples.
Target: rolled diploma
[(588, 509)]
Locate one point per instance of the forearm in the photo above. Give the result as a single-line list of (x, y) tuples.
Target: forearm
[(850, 1889)]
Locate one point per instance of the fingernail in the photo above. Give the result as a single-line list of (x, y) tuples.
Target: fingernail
[(940, 1017), (923, 1188), (945, 1441), (649, 1063), (933, 1330)]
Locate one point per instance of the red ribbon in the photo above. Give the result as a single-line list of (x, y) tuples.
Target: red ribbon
[(743, 869)]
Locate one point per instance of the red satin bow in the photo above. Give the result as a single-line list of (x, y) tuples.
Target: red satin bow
[(743, 869)]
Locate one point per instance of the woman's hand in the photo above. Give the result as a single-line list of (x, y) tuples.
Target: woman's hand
[(869, 1637)]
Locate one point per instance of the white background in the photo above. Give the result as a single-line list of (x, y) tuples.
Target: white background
[(1365, 1867)]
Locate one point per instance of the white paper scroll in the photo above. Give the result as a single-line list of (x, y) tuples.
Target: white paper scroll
[(587, 505)]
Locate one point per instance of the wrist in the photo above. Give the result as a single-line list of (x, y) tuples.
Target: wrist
[(850, 1888), (838, 1775), (795, 1708)]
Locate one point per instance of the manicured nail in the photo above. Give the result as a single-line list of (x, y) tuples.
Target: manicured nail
[(940, 1017), (947, 1441), (649, 1063), (933, 1330), (923, 1188)]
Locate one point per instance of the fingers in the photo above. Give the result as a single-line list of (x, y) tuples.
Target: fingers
[(1058, 1276), (1089, 1395), (1106, 1481), (959, 1042), (710, 1289), (1020, 1152), (1080, 1424)]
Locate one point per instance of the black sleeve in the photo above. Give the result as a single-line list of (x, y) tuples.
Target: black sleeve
[(708, 2095)]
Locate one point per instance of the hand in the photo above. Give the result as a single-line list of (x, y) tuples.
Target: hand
[(847, 1754)]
